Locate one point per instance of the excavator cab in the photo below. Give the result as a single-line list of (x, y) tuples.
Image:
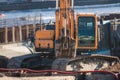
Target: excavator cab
[(86, 32)]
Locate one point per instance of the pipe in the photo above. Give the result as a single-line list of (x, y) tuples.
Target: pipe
[(72, 4), (57, 4)]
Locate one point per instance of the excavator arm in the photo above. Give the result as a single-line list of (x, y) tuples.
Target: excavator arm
[(65, 42)]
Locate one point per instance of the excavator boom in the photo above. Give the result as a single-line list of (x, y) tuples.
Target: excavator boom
[(65, 46)]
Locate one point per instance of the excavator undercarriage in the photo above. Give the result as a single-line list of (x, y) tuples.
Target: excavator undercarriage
[(87, 62)]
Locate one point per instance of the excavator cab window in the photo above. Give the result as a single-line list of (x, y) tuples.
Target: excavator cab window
[(86, 31)]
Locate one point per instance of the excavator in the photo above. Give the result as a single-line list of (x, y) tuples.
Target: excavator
[(70, 49), (71, 46)]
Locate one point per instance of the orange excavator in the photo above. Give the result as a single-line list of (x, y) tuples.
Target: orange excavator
[(74, 37), (71, 46)]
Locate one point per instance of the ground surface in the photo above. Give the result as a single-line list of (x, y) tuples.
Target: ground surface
[(12, 50), (41, 78)]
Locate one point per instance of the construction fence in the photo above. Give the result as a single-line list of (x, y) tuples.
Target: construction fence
[(18, 29)]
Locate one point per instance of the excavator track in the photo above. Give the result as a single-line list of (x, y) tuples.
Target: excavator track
[(3, 61), (16, 62), (113, 68), (31, 61), (84, 63)]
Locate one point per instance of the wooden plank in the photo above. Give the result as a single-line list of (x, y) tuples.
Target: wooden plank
[(20, 33), (27, 31), (6, 34), (13, 34)]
